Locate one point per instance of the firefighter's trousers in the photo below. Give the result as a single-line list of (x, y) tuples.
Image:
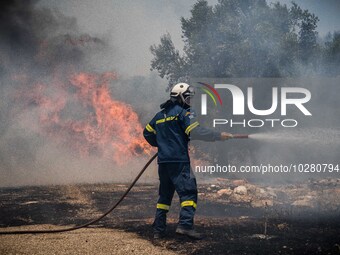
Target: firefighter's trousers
[(179, 177)]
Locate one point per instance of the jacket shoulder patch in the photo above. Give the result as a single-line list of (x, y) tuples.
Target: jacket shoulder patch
[(190, 114)]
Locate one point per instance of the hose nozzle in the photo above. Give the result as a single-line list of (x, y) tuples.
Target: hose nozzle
[(240, 136)]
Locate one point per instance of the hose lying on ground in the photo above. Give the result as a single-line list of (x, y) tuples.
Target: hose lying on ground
[(90, 222)]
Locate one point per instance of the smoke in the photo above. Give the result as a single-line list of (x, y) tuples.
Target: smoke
[(63, 119), (130, 27), (43, 46), (314, 141)]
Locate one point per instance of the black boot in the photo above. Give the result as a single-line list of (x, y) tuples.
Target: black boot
[(189, 232), (159, 235)]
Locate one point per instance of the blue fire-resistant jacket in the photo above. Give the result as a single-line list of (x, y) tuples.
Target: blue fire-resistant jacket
[(170, 130)]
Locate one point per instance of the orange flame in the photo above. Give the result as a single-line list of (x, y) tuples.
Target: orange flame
[(106, 127), (116, 122)]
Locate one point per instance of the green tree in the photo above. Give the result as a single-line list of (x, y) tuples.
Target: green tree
[(332, 54), (308, 51), (167, 61), (247, 38)]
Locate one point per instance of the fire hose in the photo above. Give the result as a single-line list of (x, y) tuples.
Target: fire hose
[(47, 231), (239, 136)]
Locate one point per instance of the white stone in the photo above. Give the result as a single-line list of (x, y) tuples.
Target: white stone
[(240, 190)]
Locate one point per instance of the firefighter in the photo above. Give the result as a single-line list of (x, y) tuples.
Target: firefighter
[(170, 130)]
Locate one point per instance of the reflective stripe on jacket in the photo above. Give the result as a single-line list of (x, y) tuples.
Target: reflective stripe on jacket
[(170, 130)]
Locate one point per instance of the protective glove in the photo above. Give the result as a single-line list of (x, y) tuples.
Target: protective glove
[(226, 136)]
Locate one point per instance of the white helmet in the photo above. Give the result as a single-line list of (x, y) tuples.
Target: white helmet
[(182, 91), (178, 89)]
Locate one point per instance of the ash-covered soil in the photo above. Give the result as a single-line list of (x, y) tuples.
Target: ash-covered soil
[(237, 217)]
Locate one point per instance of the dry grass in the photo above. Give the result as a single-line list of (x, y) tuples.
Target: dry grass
[(83, 241)]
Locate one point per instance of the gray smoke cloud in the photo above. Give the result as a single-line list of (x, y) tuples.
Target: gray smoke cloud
[(130, 27), (40, 48), (315, 140)]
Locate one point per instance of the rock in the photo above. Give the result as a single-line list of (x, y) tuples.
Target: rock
[(213, 187), (224, 192), (251, 188), (261, 203), (283, 226), (239, 182), (271, 192), (262, 191), (256, 203), (265, 193), (240, 190), (237, 199), (222, 180), (306, 202), (268, 202)]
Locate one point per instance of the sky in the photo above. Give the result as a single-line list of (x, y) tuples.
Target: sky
[(130, 27), (327, 11)]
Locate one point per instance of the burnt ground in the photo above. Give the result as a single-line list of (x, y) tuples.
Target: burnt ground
[(230, 228)]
